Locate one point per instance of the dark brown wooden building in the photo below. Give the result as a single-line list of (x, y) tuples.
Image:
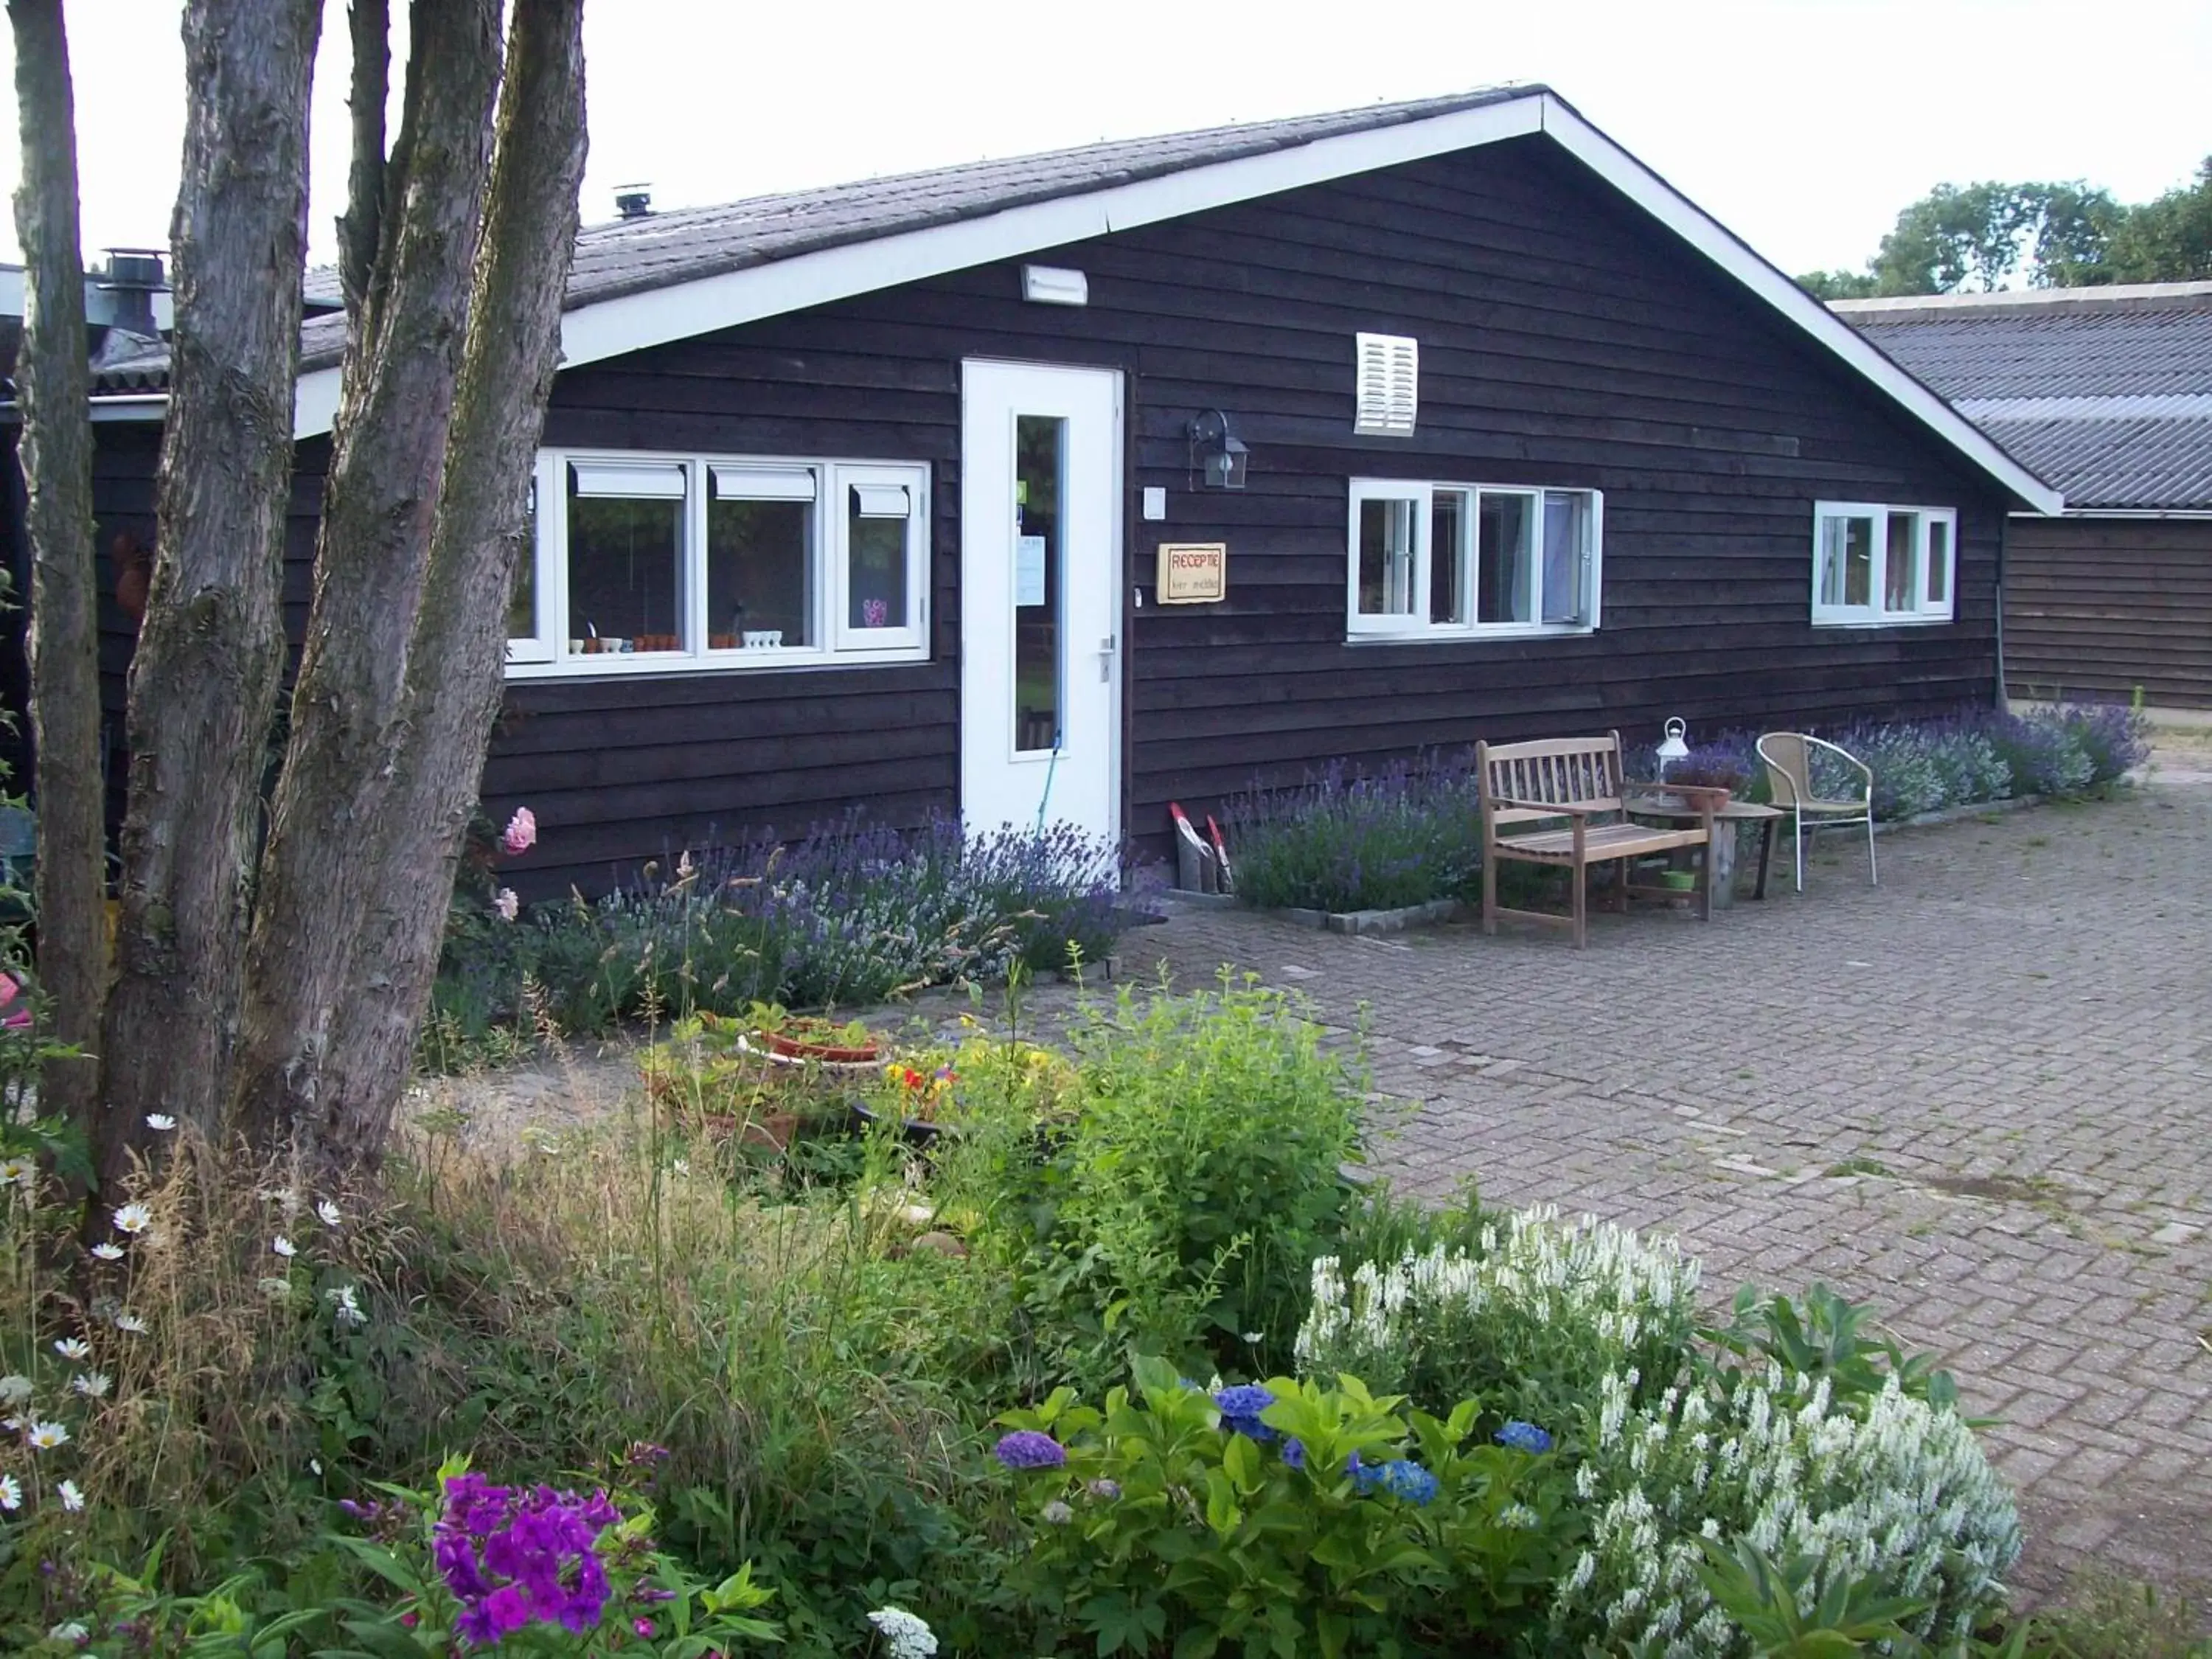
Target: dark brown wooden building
[(2108, 393), (864, 497)]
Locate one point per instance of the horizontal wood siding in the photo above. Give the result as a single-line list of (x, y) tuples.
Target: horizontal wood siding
[(1566, 340), (2101, 609)]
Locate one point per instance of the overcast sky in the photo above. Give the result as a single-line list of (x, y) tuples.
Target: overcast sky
[(1802, 124)]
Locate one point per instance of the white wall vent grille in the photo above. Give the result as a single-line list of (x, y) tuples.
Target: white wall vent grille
[(1389, 385)]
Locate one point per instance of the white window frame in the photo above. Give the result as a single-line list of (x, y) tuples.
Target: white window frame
[(1925, 610), (543, 654), (1417, 625)]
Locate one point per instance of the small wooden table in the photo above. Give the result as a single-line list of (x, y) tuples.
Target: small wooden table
[(1674, 809)]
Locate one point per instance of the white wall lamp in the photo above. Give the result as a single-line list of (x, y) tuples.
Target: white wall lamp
[(1216, 452), (1053, 285)]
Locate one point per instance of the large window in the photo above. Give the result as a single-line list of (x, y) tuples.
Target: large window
[(649, 563), (1875, 566), (1448, 561)]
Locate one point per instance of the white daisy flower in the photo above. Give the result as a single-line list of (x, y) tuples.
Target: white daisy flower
[(11, 1494), (45, 1437), (72, 1499), (93, 1385), (107, 1252), (72, 1347), (161, 1121), (130, 1322), (18, 1172), (134, 1219), (14, 1388), (347, 1309), (327, 1213), (283, 1247)]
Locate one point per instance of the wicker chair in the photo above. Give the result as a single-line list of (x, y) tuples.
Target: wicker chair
[(1788, 757)]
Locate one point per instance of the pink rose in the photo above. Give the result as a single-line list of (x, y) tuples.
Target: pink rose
[(521, 831)]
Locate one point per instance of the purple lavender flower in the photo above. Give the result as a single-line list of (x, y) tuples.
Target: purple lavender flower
[(1523, 1436), (1029, 1448)]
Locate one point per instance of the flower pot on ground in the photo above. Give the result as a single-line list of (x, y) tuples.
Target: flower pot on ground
[(813, 1036)]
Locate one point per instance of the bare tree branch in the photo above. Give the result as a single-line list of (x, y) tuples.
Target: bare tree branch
[(361, 227), (53, 379)]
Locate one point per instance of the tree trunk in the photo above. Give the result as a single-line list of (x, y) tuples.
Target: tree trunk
[(210, 657), (53, 380), (328, 1067), (319, 877)]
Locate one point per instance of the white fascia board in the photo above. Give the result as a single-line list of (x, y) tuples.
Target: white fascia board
[(139, 406), (1705, 234), (633, 322)]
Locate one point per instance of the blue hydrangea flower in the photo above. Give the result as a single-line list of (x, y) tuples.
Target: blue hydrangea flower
[(1366, 1476), (1523, 1436), (1408, 1480), (1294, 1452), (1029, 1449), (1240, 1408)]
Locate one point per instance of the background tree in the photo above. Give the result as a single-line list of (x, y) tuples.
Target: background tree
[(53, 381), (1980, 236)]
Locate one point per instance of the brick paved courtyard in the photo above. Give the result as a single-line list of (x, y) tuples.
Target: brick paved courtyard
[(1974, 1096)]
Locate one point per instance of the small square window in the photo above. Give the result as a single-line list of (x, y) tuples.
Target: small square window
[(1874, 564)]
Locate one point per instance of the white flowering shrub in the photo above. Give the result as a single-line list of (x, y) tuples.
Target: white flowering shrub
[(1896, 1496), (1532, 1319)]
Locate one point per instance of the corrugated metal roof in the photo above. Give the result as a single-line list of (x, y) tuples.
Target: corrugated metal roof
[(683, 245), (2114, 406)]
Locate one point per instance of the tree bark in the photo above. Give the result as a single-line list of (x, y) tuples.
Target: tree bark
[(53, 380), (379, 788), (210, 656)]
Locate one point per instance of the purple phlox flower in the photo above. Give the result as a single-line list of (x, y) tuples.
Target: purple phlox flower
[(643, 1454), (1029, 1448), (1294, 1452), (643, 1628), (511, 1557), (1240, 1408), (1523, 1436)]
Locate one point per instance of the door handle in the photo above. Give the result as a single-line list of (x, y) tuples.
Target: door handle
[(1106, 660)]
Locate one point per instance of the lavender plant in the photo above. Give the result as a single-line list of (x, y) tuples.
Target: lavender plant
[(1347, 839)]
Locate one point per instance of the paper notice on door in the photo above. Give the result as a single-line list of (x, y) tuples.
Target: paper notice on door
[(1028, 570)]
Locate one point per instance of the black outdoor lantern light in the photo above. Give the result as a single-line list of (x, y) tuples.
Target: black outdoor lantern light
[(1217, 451)]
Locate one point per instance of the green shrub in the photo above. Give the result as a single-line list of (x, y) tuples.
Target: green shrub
[(1895, 1501), (1178, 1211), (1287, 1518), (1531, 1320)]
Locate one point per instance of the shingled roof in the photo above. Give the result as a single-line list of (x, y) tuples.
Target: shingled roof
[(2107, 392), (675, 273)]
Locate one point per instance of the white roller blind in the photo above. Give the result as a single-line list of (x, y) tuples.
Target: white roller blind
[(881, 501), (1390, 384), (764, 483), (648, 480)]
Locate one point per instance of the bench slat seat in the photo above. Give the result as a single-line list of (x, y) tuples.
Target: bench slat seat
[(1579, 779)]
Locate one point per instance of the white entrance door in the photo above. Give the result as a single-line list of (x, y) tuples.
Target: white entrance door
[(1040, 587)]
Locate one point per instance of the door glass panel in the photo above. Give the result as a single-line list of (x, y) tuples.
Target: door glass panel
[(1567, 542), (1447, 557), (1901, 570), (875, 589), (1040, 646), (1504, 562), (1386, 557), (759, 574), (625, 573), (1939, 561)]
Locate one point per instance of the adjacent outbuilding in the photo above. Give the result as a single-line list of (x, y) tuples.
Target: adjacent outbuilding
[(2107, 392)]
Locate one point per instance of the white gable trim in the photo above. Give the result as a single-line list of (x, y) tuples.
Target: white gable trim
[(633, 322), (1705, 234)]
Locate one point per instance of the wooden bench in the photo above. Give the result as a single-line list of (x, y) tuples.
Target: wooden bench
[(1577, 779)]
